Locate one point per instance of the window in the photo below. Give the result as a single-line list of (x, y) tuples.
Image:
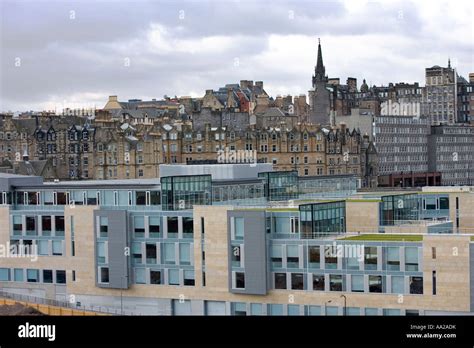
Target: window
[(189, 278), (239, 308), (17, 225), (275, 309), (332, 310), (140, 276), (169, 253), (4, 274), (32, 275), (173, 276), (101, 252), (280, 280), (314, 256), (155, 277), (139, 226), (330, 259), (43, 247), (313, 310), (140, 198), (335, 282), (184, 254), (188, 227), (47, 276), (31, 226), (353, 311), (370, 258), (292, 256), (416, 285), (104, 228), (352, 263), (393, 258), (57, 247), (411, 259), (297, 282), (375, 283), (433, 253), (398, 285), (154, 226), (59, 224), (104, 274), (434, 282), (173, 227), (357, 283), (371, 311), (239, 280), (137, 253), (239, 228), (150, 249), (276, 256), (318, 282), (18, 274)]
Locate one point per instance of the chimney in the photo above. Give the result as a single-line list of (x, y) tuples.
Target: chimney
[(259, 84), (112, 98), (208, 91), (471, 77), (25, 156), (343, 127)]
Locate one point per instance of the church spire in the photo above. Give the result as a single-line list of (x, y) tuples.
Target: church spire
[(320, 70)]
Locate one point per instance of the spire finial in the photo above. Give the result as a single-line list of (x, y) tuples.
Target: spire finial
[(319, 41)]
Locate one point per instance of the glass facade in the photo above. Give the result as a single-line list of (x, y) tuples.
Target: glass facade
[(322, 219), (182, 192), (280, 186), (397, 209)]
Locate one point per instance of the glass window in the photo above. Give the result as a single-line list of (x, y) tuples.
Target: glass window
[(32, 275), (393, 258), (297, 282), (239, 228), (239, 308), (275, 309), (43, 247), (150, 249), (101, 252), (140, 276), (154, 226), (155, 277), (335, 282), (188, 227), (330, 259), (173, 276), (375, 283), (411, 259), (4, 274), (17, 225), (47, 276), (352, 311), (59, 224), (357, 283), (184, 254), (172, 227), (46, 225), (332, 310), (137, 252), (280, 280), (139, 226), (293, 310), (314, 256), (31, 226), (276, 256), (57, 247), (416, 285), (104, 274), (370, 258), (318, 282), (314, 310), (391, 312), (292, 256), (256, 308), (398, 284), (140, 198), (444, 203), (61, 277), (239, 280), (169, 253), (371, 311), (189, 278), (352, 263), (18, 274)]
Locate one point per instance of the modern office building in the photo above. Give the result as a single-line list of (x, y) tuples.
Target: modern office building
[(239, 240)]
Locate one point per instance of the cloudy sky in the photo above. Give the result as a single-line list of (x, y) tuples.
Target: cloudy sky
[(77, 53)]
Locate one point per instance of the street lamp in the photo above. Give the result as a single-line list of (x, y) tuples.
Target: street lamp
[(345, 304)]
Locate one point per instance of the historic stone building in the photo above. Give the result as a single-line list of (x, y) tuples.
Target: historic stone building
[(319, 95)]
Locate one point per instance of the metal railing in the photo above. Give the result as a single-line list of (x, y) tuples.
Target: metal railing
[(63, 304)]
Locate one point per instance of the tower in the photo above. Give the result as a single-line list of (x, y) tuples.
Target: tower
[(319, 96)]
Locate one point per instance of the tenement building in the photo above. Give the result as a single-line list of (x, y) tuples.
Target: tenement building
[(238, 239)]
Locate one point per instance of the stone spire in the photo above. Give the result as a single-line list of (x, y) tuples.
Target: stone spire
[(320, 70)]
